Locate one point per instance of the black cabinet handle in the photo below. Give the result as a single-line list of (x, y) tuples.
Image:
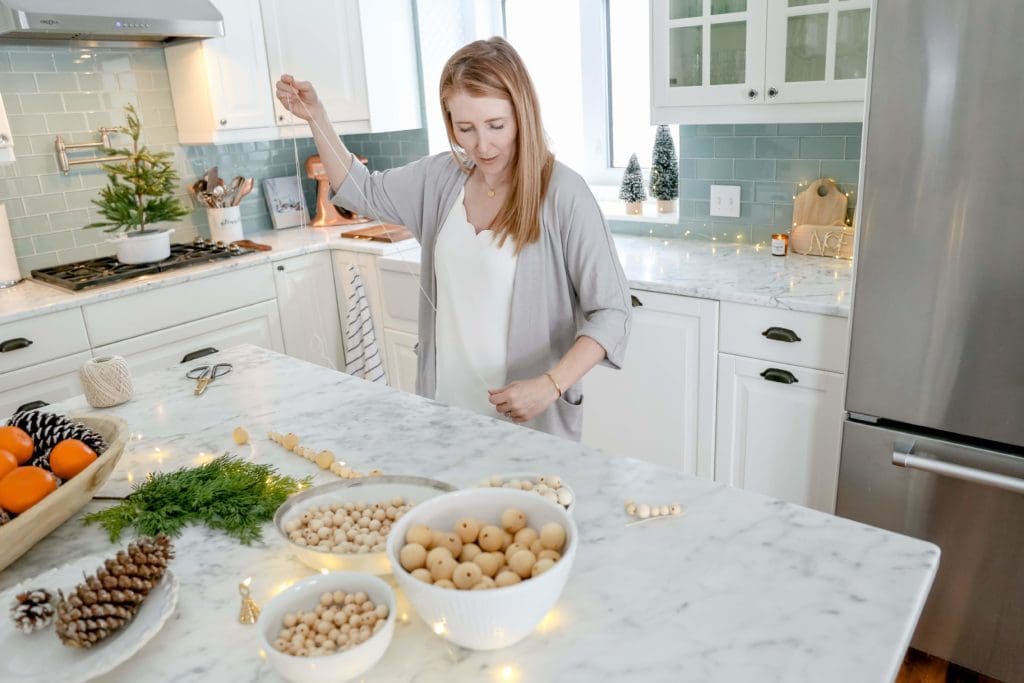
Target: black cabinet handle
[(198, 354), (31, 406), (14, 344), (280, 267), (781, 376), (635, 301), (781, 334)]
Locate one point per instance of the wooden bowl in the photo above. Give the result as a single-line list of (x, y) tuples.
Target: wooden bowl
[(31, 526)]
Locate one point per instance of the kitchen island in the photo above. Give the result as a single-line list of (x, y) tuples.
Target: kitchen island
[(742, 587)]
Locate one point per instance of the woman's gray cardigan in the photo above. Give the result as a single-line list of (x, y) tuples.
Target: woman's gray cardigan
[(567, 284)]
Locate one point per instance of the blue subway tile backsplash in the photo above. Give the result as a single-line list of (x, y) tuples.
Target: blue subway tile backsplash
[(52, 90)]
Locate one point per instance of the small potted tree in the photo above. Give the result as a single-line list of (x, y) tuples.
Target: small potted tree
[(664, 171), (632, 189), (139, 196)]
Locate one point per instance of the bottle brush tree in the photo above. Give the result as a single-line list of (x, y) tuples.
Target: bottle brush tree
[(664, 166), (141, 188), (632, 188)]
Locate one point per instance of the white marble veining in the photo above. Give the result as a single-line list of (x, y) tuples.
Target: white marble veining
[(742, 587), (733, 272)]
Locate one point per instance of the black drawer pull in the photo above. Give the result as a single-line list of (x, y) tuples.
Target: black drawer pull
[(781, 334), (32, 405), (14, 344), (635, 301), (198, 354), (782, 376)]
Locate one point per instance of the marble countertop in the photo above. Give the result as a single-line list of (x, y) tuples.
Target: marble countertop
[(723, 272), (742, 587)]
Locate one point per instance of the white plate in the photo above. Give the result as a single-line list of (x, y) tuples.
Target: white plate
[(40, 657)]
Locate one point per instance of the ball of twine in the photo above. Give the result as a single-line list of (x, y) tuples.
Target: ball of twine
[(106, 381)]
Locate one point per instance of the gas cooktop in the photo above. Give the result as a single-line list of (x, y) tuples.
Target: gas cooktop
[(108, 270)]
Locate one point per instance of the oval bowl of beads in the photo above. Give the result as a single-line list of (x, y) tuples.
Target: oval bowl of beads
[(332, 551), (550, 486), (362, 635), (494, 617)]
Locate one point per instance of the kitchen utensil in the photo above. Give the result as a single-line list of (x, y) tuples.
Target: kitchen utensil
[(304, 596), (42, 658), (204, 375), (249, 244), (380, 233), (822, 203), (366, 490), (28, 528), (244, 189), (212, 179), (484, 619), (327, 213)]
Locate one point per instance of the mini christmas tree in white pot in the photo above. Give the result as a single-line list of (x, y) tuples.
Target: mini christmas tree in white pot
[(664, 171), (632, 189), (139, 196)]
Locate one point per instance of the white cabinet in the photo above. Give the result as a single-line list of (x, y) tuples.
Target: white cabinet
[(52, 381), (220, 84), (6, 137), (257, 324), (746, 61), (660, 406), (360, 55), (779, 429), (399, 277), (400, 351), (308, 308)]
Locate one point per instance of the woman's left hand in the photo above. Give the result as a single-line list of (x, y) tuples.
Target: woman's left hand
[(524, 400)]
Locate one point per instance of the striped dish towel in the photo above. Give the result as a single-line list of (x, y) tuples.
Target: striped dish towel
[(362, 355)]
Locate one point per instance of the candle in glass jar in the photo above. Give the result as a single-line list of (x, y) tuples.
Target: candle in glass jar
[(780, 244)]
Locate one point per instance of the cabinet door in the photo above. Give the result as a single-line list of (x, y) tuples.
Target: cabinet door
[(52, 381), (776, 438), (237, 68), (660, 406), (308, 308), (6, 137), (400, 349), (707, 52), (257, 324), (817, 50), (318, 41)]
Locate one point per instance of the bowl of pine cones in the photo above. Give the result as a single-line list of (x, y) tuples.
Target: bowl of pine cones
[(83, 619), (50, 467)]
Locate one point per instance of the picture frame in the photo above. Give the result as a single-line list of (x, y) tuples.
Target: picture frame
[(286, 202)]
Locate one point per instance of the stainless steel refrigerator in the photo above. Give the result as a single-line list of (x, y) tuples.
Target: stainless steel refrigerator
[(934, 443)]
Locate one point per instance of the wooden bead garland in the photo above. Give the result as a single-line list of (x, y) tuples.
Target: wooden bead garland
[(481, 556), (339, 622), (644, 511), (547, 485), (324, 459)]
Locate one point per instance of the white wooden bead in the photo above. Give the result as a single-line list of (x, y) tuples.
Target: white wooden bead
[(664, 510), (564, 497), (676, 509), (643, 510)]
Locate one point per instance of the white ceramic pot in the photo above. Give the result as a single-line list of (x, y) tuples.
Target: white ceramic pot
[(225, 224), (147, 246)]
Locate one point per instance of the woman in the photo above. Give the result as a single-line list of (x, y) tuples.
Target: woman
[(523, 290)]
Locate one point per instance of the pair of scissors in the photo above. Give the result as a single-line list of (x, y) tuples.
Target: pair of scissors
[(204, 374)]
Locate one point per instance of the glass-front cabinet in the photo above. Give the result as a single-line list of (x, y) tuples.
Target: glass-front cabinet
[(767, 55), (817, 50), (708, 51)]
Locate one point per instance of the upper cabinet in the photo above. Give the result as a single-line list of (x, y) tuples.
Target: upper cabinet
[(758, 61), (360, 55)]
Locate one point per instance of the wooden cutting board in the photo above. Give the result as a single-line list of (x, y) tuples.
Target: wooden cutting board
[(822, 203), (380, 233)]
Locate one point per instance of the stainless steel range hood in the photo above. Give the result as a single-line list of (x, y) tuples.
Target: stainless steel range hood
[(143, 22)]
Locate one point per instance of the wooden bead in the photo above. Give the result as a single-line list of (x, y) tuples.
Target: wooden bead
[(512, 550), (240, 436), (421, 534), (489, 563), (522, 563), (485, 583), (324, 459), (491, 538), (552, 536), (469, 551), (512, 520), (290, 441), (536, 547), (412, 556), (507, 577), (423, 575), (631, 509), (546, 554), (643, 510), (450, 541), (445, 583), (466, 575), (526, 536), (467, 530), (541, 566), (676, 509)]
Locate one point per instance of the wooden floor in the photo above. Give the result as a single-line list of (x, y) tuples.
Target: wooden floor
[(919, 667)]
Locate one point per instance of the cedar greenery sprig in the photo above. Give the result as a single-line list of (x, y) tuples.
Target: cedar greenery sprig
[(230, 494), (143, 174)]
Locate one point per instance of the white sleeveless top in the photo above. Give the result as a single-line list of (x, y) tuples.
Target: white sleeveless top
[(474, 279)]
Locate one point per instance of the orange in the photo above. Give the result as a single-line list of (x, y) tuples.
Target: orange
[(17, 442), (24, 487), (69, 457), (7, 463)]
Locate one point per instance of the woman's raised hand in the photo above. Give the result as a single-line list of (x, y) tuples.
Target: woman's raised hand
[(298, 97)]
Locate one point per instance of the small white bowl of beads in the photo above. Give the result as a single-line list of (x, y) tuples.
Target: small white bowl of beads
[(483, 566), (329, 627), (550, 486), (344, 525)]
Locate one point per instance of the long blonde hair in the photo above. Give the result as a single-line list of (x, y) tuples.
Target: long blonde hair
[(493, 68)]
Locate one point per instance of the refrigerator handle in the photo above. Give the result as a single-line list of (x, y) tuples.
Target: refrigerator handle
[(945, 469)]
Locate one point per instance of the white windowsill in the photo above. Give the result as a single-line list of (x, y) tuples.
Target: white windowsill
[(614, 208)]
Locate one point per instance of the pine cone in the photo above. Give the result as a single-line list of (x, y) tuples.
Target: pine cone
[(32, 610), (49, 429), (4, 517), (109, 599)]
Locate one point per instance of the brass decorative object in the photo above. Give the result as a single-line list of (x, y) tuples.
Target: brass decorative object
[(250, 611)]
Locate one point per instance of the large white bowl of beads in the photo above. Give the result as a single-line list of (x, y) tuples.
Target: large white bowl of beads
[(349, 617), (488, 613), (550, 486), (340, 507)]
